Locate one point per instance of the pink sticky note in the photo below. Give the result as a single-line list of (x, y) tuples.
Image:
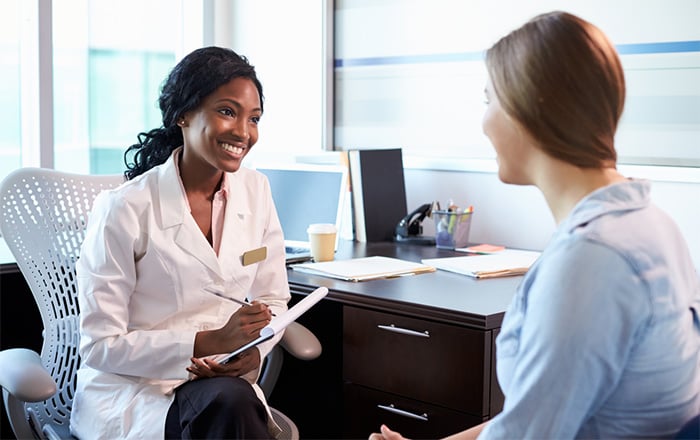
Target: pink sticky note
[(486, 248)]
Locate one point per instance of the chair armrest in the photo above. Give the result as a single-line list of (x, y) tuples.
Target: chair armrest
[(23, 376), (300, 342)]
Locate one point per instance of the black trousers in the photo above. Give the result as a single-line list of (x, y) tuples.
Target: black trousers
[(216, 408)]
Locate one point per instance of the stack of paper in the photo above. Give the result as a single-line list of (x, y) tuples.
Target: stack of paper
[(501, 264), (363, 269)]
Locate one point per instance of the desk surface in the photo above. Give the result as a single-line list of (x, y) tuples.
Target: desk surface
[(440, 295)]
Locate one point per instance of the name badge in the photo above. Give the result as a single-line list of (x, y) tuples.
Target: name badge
[(254, 256)]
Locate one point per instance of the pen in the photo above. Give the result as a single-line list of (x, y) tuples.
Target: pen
[(221, 295)]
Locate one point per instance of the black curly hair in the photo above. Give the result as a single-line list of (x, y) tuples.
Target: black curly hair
[(194, 78)]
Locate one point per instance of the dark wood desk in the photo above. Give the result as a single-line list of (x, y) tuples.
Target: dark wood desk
[(431, 383)]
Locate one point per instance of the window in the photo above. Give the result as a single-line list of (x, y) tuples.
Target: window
[(10, 85), (110, 59), (106, 62), (410, 74), (379, 73)]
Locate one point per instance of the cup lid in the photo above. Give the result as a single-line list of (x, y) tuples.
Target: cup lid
[(321, 228)]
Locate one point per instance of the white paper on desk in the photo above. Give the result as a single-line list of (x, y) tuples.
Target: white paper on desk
[(505, 263), (279, 323), (363, 269)]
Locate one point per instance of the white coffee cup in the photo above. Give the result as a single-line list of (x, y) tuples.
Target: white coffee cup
[(322, 240)]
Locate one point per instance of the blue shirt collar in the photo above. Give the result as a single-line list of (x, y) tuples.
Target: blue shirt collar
[(630, 195)]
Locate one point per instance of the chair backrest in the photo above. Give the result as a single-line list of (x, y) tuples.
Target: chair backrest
[(43, 216)]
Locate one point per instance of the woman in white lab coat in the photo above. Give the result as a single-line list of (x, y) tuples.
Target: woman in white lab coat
[(189, 228)]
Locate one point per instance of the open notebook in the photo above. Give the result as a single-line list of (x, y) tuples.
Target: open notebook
[(306, 194)]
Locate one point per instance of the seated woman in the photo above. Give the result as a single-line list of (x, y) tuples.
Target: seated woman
[(602, 339), (161, 251)]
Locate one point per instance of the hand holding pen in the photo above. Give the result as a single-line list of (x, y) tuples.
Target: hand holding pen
[(242, 326)]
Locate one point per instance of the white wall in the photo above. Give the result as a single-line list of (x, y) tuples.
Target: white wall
[(519, 217)]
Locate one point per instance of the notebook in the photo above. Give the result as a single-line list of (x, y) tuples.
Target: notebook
[(508, 262), (364, 269), (305, 194)]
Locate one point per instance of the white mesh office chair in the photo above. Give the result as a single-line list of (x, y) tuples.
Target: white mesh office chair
[(43, 216)]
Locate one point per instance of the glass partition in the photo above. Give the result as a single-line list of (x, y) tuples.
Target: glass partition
[(410, 73)]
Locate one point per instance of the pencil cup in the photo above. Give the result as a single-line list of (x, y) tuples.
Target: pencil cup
[(322, 241), (452, 229)]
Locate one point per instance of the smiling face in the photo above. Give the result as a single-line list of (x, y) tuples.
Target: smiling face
[(220, 132), (512, 144)]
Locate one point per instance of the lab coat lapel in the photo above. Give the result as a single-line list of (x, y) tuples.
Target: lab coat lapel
[(175, 214), (235, 233)]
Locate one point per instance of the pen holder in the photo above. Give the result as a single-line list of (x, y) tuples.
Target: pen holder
[(452, 228)]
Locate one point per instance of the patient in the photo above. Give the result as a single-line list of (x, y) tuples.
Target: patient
[(602, 339)]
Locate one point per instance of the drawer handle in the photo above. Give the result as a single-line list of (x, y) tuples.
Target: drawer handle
[(404, 331), (391, 408)]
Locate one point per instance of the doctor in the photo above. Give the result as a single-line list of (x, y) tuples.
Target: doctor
[(190, 221)]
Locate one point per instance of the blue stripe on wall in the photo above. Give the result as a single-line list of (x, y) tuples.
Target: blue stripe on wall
[(623, 49), (667, 47), (410, 59)]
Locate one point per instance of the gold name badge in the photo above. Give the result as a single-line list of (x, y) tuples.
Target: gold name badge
[(254, 256)]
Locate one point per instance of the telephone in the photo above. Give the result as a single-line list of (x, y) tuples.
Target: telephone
[(410, 228)]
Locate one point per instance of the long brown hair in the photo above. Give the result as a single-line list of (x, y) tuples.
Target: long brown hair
[(561, 78)]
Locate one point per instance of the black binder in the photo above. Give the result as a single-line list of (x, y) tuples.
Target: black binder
[(378, 192)]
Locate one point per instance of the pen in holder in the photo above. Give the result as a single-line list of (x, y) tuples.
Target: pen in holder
[(452, 228)]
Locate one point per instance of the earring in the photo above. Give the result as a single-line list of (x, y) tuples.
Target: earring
[(181, 122)]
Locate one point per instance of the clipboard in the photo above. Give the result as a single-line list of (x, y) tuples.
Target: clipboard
[(278, 323)]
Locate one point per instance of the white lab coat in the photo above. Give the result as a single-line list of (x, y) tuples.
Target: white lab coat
[(141, 276)]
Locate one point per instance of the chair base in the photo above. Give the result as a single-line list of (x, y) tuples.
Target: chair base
[(289, 429)]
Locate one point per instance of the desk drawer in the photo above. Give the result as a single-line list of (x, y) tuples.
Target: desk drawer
[(441, 364), (366, 409)]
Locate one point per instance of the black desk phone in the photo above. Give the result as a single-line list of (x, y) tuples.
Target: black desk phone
[(410, 228)]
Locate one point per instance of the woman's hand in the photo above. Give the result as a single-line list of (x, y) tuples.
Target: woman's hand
[(243, 326), (386, 434), (244, 363)]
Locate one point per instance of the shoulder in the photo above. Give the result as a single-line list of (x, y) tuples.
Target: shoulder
[(623, 218), (582, 263), (589, 277), (129, 197)]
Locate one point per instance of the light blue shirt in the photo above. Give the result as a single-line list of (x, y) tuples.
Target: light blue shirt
[(602, 339)]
